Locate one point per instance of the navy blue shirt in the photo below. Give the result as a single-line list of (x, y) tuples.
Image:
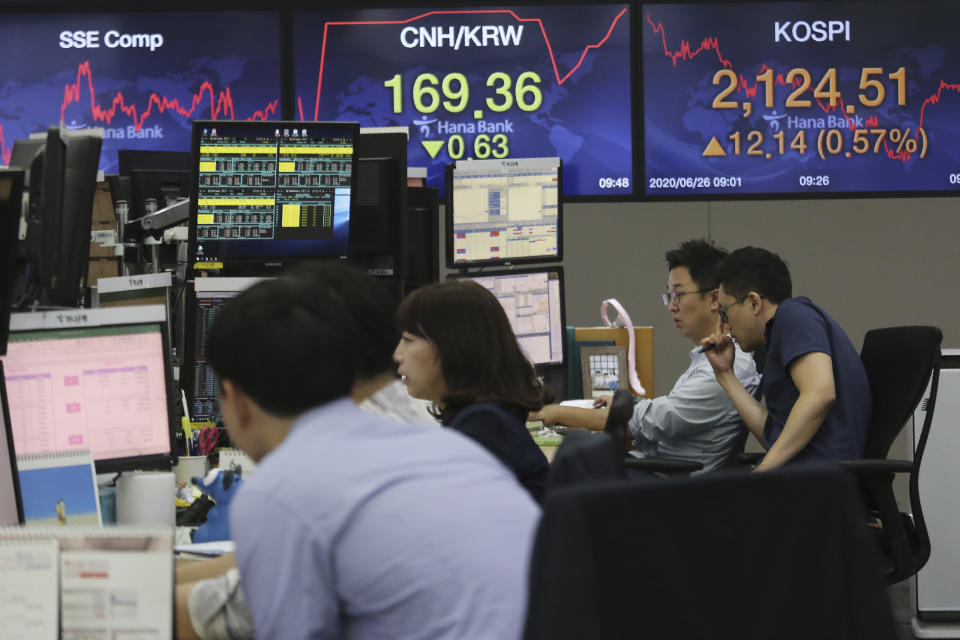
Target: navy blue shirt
[(503, 432), (797, 328)]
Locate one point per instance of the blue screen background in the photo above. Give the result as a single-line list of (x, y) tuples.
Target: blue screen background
[(684, 45), (229, 59), (586, 120)]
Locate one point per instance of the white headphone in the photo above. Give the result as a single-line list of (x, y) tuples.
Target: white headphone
[(623, 321)]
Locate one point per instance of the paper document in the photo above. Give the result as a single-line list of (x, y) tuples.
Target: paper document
[(215, 548), (586, 403)]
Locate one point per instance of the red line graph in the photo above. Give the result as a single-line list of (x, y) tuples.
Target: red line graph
[(511, 13), (4, 152), (686, 52), (221, 105)]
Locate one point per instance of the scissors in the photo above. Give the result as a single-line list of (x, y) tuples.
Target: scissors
[(207, 439)]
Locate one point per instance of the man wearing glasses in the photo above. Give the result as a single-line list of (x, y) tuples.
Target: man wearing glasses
[(817, 397), (696, 420)]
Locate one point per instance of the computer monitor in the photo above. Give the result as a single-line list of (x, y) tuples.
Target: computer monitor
[(43, 216), (377, 232), (11, 502), (533, 301), (197, 378), (23, 152), (11, 193), (63, 177), (504, 211), (130, 160), (96, 379), (270, 193), (159, 176), (76, 221), (423, 238)]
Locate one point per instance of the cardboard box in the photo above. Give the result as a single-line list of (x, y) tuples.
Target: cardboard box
[(103, 219), (102, 268), (103, 205)]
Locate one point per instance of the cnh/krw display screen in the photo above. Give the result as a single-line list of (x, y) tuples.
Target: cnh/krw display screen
[(800, 97), (479, 83)]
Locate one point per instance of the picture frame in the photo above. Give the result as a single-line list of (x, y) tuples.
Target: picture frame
[(604, 370)]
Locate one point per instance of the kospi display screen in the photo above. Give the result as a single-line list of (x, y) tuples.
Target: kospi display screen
[(800, 98), (480, 83), (141, 76)]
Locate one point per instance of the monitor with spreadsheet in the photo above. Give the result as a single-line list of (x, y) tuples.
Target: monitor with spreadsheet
[(533, 302), (196, 375), (504, 211), (270, 193), (11, 504), (94, 379)]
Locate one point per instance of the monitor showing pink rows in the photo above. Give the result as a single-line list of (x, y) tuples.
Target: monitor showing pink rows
[(102, 389)]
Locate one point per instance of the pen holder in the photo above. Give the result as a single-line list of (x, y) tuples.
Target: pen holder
[(189, 467), (146, 498)]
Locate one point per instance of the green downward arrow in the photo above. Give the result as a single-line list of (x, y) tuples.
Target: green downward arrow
[(432, 146)]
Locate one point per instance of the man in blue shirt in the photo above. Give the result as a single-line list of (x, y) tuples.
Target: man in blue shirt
[(355, 525), (814, 384)]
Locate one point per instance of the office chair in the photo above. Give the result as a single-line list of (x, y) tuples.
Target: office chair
[(900, 361), (779, 555), (591, 457), (618, 426)]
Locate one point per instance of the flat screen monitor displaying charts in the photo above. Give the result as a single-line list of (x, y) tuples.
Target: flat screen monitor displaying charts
[(504, 211), (197, 378), (533, 302), (271, 193), (94, 379)]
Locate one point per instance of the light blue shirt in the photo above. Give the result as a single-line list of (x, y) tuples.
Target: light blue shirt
[(358, 526), (696, 420)]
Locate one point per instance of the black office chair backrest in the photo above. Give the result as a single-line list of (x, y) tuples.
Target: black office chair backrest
[(618, 419), (779, 555), (584, 457), (899, 362)]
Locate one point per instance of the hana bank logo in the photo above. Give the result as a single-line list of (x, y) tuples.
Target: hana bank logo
[(424, 126)]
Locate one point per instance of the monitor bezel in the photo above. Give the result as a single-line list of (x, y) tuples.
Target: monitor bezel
[(563, 301), (8, 433), (257, 266), (81, 319), (449, 215)]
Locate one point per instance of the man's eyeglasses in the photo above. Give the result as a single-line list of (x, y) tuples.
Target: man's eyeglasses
[(673, 297), (723, 310)]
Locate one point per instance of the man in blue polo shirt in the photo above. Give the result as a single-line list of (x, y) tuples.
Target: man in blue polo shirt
[(814, 384)]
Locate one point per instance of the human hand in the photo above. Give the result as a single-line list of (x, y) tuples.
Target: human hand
[(602, 400), (719, 349), (545, 415)]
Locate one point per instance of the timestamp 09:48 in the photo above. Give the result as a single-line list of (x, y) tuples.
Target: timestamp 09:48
[(695, 182)]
